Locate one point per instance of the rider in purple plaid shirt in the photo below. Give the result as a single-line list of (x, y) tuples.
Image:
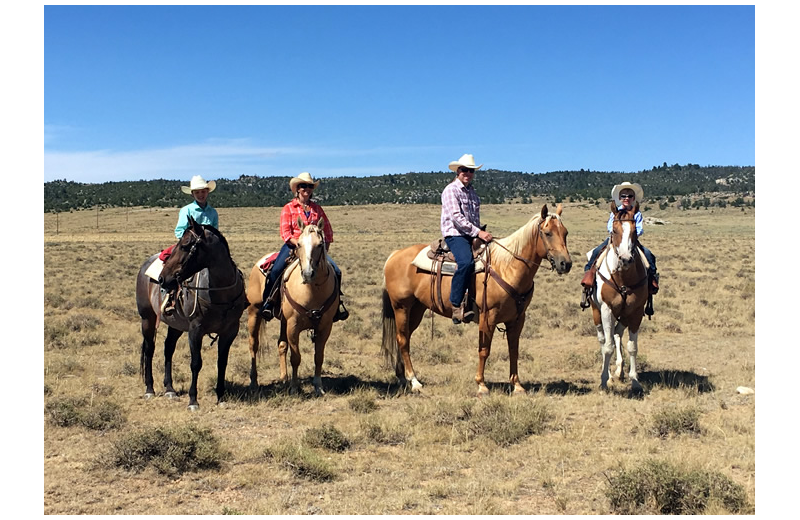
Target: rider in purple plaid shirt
[(460, 223)]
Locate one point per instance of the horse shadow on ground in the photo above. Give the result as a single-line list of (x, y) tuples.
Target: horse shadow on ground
[(333, 386), (344, 385)]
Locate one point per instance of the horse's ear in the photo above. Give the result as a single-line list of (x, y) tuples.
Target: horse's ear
[(300, 223), (614, 209), (321, 224), (559, 208), (544, 212), (636, 208), (197, 228)]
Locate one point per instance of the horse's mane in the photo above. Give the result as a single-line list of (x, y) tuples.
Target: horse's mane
[(216, 232), (517, 241)]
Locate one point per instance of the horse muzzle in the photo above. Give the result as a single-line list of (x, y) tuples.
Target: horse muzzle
[(561, 265)]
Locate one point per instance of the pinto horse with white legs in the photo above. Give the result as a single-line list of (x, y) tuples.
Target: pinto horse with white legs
[(620, 296), (502, 293)]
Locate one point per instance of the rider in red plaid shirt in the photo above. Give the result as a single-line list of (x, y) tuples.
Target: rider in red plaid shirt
[(310, 212)]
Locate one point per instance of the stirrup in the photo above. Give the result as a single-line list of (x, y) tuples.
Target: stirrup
[(266, 312), (585, 295), (648, 308), (341, 313)]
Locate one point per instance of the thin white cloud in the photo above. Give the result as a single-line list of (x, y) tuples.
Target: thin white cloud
[(230, 158)]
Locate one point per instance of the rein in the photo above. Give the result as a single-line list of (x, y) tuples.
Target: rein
[(519, 299), (314, 315)]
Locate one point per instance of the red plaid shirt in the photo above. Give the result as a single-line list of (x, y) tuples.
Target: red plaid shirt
[(293, 210)]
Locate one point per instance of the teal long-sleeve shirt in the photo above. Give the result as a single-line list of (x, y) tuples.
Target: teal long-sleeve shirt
[(207, 215)]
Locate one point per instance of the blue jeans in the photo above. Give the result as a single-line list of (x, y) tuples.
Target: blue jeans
[(279, 265), (462, 251), (651, 259)]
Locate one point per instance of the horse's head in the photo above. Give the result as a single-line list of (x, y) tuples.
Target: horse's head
[(553, 238), (623, 234), (187, 258), (310, 249)]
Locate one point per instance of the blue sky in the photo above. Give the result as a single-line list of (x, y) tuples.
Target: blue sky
[(142, 92)]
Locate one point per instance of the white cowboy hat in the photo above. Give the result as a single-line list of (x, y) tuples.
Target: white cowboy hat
[(637, 190), (199, 183), (467, 161), (303, 178)]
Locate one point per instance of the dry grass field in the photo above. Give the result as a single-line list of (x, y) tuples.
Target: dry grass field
[(366, 448)]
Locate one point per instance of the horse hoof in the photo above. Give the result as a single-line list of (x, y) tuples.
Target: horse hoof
[(171, 395), (149, 396), (416, 386), (482, 391), (194, 407), (519, 390)]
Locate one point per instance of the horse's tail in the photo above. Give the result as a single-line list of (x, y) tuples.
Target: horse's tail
[(389, 344)]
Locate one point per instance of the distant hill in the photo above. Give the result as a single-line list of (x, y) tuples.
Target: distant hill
[(662, 183)]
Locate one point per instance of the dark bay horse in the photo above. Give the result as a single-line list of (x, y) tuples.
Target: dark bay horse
[(213, 303), (310, 299), (502, 295), (620, 296)]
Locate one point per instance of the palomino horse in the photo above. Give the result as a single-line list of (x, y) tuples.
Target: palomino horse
[(503, 294), (620, 295), (213, 304), (310, 299)]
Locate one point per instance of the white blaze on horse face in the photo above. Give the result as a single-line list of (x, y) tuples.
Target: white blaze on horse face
[(624, 249), (305, 262)]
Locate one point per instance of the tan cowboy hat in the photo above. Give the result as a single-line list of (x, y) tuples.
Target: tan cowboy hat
[(637, 190), (467, 161), (303, 178), (199, 183)]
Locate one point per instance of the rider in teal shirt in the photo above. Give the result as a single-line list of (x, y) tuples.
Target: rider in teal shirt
[(201, 215)]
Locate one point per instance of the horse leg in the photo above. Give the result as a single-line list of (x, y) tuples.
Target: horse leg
[(618, 332), (223, 349), (148, 350), (169, 349), (633, 349), (320, 338), (293, 339), (253, 329), (283, 346), (484, 349), (404, 318), (513, 331), (608, 345), (195, 346)]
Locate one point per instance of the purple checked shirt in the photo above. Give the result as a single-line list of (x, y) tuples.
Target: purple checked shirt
[(461, 210)]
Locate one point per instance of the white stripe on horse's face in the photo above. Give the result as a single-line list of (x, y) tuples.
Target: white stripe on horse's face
[(625, 250)]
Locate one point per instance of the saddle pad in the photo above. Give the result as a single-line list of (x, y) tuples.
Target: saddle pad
[(448, 268), (154, 271), (266, 261)]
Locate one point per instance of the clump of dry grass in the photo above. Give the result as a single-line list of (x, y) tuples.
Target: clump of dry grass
[(302, 461), (72, 411), (170, 450), (326, 436), (508, 421), (658, 487), (676, 421), (363, 402)]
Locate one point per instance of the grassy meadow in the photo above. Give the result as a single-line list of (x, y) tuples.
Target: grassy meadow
[(686, 446)]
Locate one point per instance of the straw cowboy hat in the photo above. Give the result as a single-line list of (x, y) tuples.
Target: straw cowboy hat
[(199, 183), (303, 178), (637, 190), (467, 161)]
